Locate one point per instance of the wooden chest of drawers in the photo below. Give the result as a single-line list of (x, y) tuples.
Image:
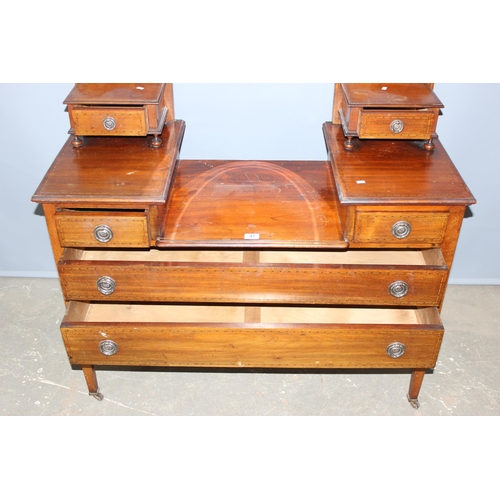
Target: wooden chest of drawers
[(273, 264)]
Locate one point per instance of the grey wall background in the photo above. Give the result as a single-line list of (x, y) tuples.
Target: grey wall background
[(244, 121)]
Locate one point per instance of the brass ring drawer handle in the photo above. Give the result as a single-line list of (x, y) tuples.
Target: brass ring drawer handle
[(103, 233), (397, 126), (398, 289), (106, 285), (401, 229), (395, 350), (108, 347), (109, 123)]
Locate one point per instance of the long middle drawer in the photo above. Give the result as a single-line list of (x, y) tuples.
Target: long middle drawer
[(356, 277)]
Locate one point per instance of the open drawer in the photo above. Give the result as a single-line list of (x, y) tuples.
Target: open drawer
[(238, 336), (358, 277)]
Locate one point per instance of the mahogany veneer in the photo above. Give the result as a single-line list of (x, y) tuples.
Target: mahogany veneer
[(265, 204), (273, 264)]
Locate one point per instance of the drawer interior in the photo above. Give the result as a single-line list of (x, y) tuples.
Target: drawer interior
[(270, 315), (407, 257)]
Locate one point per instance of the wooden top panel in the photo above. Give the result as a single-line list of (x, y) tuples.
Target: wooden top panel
[(252, 204), (394, 172), (112, 170), (115, 93), (396, 95)]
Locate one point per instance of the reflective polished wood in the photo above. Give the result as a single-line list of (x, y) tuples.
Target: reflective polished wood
[(341, 263), (252, 204)]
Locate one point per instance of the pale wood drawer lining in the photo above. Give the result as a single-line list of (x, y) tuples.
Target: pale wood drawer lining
[(210, 314), (361, 257)]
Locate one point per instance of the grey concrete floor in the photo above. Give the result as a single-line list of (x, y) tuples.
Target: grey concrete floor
[(37, 379)]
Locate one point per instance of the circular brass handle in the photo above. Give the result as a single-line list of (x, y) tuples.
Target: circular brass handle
[(109, 123), (401, 229), (397, 126), (103, 233), (398, 289), (106, 285), (395, 350), (108, 347)]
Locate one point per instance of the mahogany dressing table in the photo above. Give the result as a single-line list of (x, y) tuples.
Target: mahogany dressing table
[(341, 263)]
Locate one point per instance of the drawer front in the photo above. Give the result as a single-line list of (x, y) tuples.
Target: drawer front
[(194, 340), (383, 124), (400, 228), (103, 229), (158, 281), (109, 121)]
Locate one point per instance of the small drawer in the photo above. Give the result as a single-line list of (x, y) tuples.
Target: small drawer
[(103, 229), (269, 337), (399, 228), (396, 124), (100, 120)]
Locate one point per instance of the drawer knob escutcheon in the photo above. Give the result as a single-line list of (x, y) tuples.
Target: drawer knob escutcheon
[(103, 233), (109, 123), (108, 347), (397, 126), (398, 289), (395, 350), (401, 229), (106, 285)]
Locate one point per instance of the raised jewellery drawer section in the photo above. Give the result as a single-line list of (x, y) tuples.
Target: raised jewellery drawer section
[(387, 111), (118, 109), (393, 278), (223, 336), (375, 227), (84, 228)]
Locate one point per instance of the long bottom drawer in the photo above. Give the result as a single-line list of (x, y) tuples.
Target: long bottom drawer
[(238, 336)]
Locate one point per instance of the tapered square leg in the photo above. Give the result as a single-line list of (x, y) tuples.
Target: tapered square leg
[(417, 377), (91, 379)]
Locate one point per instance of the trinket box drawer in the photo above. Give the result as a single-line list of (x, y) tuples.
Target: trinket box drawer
[(394, 278), (112, 120), (83, 228), (272, 337), (399, 124)]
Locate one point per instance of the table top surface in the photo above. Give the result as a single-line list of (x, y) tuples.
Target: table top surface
[(252, 204), (113, 93), (107, 170), (391, 95), (400, 172)]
